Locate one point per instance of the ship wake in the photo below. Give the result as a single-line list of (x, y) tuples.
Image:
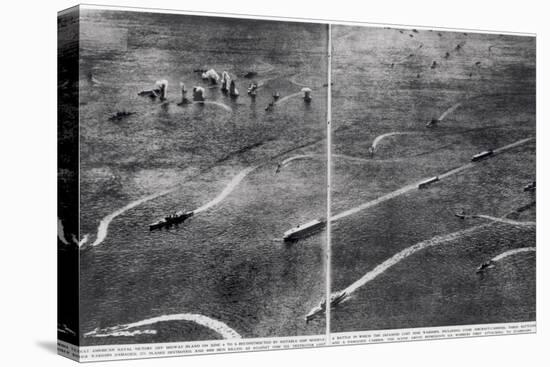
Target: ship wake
[(402, 255), (286, 98), (507, 221), (414, 186), (449, 110), (103, 228), (379, 138), (127, 329), (214, 103), (513, 252), (226, 191)]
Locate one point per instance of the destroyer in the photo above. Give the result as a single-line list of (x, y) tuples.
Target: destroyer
[(304, 230), (172, 219)]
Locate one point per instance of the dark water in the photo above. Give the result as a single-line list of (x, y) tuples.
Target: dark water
[(228, 262), (437, 285)]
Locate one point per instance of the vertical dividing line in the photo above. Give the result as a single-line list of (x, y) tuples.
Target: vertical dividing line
[(329, 188)]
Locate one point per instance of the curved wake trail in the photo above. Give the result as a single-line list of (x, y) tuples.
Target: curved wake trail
[(124, 330), (268, 67), (402, 255), (104, 224), (82, 242), (513, 252), (288, 97), (414, 186), (61, 232), (227, 190), (507, 221), (292, 79), (102, 230), (297, 157), (448, 111), (379, 138), (219, 104)]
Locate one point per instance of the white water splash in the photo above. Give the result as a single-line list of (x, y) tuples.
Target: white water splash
[(226, 191), (61, 232), (379, 138), (217, 326), (219, 104), (104, 224), (513, 252)]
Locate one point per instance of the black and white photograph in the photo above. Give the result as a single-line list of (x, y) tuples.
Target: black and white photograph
[(203, 181), (434, 180), (274, 183), (202, 152)]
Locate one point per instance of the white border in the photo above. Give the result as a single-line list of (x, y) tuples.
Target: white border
[(177, 349), (332, 339), (288, 19)]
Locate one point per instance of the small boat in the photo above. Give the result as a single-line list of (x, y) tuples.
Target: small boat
[(482, 155), (120, 115), (433, 122), (335, 299), (304, 230), (530, 187), (485, 266), (428, 182), (461, 214)]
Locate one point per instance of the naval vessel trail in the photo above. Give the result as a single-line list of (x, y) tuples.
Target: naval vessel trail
[(432, 242), (379, 138), (61, 232), (285, 98), (513, 252), (414, 185), (102, 230), (226, 191), (123, 330), (219, 104), (448, 111), (403, 254), (507, 221)]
